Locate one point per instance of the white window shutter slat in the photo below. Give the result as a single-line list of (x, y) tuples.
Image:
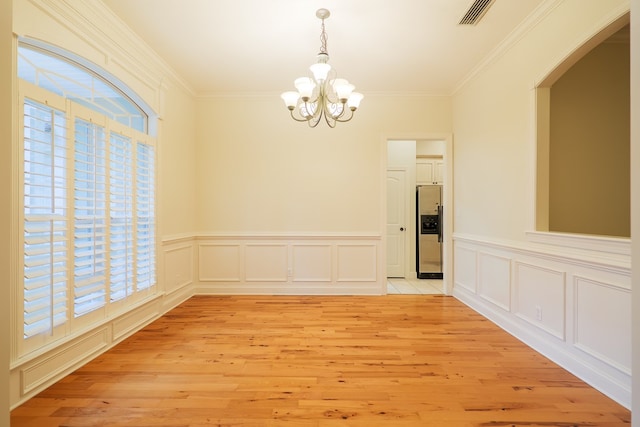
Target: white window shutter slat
[(90, 218), (45, 221)]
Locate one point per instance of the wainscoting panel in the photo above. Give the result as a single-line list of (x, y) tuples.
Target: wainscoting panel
[(219, 262), (569, 299), (291, 265), (128, 323), (494, 279), (311, 262), (540, 297), (465, 268), (266, 262), (178, 266), (357, 263), (599, 325), (50, 366)]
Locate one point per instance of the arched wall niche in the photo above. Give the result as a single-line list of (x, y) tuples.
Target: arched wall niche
[(582, 138)]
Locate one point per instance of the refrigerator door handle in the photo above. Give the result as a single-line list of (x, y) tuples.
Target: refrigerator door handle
[(440, 239)]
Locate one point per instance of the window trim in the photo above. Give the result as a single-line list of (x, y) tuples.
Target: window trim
[(152, 117)]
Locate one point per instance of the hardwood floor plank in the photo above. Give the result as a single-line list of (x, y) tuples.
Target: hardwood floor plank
[(401, 360)]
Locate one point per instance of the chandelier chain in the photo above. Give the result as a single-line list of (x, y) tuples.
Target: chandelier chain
[(323, 39)]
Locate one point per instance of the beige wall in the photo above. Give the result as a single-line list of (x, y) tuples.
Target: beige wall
[(494, 148), (6, 126), (176, 159), (589, 181), (261, 172)]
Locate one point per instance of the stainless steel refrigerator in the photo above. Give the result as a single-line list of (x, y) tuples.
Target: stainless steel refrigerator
[(429, 231)]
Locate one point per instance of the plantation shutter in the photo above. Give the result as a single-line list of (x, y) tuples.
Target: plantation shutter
[(87, 229), (145, 219), (45, 219), (121, 213), (89, 217)]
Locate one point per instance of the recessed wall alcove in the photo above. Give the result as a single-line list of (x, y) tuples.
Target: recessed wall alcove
[(583, 139)]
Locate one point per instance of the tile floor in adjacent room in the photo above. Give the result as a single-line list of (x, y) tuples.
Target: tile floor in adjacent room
[(414, 286)]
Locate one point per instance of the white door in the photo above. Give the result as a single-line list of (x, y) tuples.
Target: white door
[(396, 227)]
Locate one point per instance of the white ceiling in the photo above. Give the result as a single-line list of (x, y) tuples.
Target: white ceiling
[(261, 46)]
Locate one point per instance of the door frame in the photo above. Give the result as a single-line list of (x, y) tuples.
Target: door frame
[(447, 201)]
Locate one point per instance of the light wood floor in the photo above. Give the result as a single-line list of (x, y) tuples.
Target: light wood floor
[(397, 360)]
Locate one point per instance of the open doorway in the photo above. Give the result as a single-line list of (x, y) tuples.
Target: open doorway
[(411, 164)]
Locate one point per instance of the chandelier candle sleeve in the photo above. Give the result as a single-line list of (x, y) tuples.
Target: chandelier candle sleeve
[(323, 95), (305, 87), (320, 71)]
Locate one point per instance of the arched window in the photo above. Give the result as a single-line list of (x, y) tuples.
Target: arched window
[(74, 78), (87, 193)]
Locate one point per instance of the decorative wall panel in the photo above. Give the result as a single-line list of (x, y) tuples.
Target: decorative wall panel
[(130, 322), (494, 278), (540, 296), (311, 262), (603, 321), (300, 265), (465, 268), (50, 365), (266, 263), (178, 266), (219, 262), (357, 263)]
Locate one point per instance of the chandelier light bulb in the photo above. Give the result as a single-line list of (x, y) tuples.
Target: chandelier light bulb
[(343, 89), (290, 99), (354, 100), (305, 86), (320, 71)]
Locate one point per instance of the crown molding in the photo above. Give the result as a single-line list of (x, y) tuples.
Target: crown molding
[(98, 26)]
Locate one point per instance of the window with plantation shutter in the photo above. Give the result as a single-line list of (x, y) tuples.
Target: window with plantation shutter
[(145, 218), (90, 228), (45, 219), (121, 213), (86, 211)]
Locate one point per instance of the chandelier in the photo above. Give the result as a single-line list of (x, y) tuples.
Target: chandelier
[(323, 95)]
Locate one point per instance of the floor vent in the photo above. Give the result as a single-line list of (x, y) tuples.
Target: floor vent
[(475, 12)]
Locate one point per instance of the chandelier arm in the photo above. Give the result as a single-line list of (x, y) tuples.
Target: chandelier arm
[(331, 123), (314, 120), (338, 116), (317, 113), (331, 97), (342, 110), (341, 120), (323, 98), (297, 119)]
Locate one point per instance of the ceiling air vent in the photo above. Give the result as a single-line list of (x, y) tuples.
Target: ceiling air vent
[(475, 12)]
